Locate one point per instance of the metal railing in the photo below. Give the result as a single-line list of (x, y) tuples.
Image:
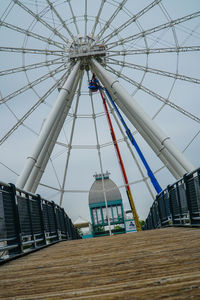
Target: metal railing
[(177, 205), (29, 222)]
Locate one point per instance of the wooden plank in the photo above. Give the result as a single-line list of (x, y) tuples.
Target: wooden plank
[(157, 264)]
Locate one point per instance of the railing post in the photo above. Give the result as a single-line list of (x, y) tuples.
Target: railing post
[(149, 221), (179, 204), (152, 217), (16, 220), (30, 218), (167, 206), (48, 218), (65, 224), (185, 179), (170, 203), (156, 215), (55, 218), (39, 199), (69, 228), (159, 212)]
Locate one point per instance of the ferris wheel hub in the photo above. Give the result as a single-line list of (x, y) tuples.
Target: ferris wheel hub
[(84, 48)]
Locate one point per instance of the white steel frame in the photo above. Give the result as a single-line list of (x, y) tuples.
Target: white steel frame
[(173, 159), (67, 67)]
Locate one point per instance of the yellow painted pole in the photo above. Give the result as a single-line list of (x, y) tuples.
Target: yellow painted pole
[(134, 212)]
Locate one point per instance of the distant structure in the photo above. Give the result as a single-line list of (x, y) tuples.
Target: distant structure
[(102, 212), (84, 228)]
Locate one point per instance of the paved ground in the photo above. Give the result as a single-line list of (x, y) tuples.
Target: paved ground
[(157, 264)]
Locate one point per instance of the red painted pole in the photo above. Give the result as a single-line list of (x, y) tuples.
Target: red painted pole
[(128, 190)]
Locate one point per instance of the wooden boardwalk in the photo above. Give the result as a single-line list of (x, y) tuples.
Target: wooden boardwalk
[(157, 264)]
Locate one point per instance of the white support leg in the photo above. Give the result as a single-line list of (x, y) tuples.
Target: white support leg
[(174, 160), (39, 167), (70, 140), (155, 146), (62, 100)]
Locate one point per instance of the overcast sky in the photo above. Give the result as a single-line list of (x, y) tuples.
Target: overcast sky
[(84, 161)]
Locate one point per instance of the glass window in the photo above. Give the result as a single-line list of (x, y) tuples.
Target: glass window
[(115, 215), (94, 215), (99, 215), (119, 208), (105, 219)]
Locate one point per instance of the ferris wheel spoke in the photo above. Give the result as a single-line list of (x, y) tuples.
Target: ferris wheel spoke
[(49, 187), (32, 51), (32, 34), (30, 111), (163, 105), (39, 19), (154, 50), (31, 67), (99, 157), (11, 170), (32, 84), (155, 29), (73, 16), (7, 10), (165, 12), (131, 20), (22, 124), (86, 17), (54, 170), (190, 33), (154, 71), (97, 18), (131, 150), (108, 23), (156, 96), (56, 175), (60, 18), (71, 140), (98, 145), (191, 141)]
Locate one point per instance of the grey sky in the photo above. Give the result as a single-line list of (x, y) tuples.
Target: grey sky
[(84, 162)]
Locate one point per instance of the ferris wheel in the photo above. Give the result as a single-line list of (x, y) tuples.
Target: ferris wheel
[(54, 130)]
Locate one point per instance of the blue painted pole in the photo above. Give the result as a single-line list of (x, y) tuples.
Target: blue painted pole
[(134, 143)]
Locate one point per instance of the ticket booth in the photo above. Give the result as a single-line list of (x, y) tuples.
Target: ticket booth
[(98, 211)]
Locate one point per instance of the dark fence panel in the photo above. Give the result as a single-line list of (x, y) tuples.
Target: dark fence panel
[(177, 205), (28, 222)]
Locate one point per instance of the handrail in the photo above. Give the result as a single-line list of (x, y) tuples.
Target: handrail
[(178, 204), (4, 184), (29, 222)]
